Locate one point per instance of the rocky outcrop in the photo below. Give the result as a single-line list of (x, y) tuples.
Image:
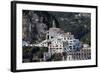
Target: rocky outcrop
[(35, 25)]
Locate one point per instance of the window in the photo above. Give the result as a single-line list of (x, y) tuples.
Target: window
[(56, 45), (52, 37), (68, 38), (74, 40), (73, 47), (70, 47), (70, 43), (47, 36)]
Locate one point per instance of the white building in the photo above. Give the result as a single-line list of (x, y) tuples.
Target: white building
[(57, 41)]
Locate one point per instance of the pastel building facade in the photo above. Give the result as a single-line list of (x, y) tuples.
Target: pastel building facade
[(58, 41)]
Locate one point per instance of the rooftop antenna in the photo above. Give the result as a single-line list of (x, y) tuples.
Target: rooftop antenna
[(53, 25)]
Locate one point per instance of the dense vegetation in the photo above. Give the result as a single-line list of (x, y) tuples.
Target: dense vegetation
[(33, 54), (38, 22), (78, 24)]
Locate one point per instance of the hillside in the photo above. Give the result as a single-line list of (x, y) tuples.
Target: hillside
[(36, 23)]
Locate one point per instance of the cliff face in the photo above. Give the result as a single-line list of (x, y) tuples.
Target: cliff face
[(36, 23)]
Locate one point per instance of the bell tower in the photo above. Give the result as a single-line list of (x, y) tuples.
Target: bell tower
[(53, 24)]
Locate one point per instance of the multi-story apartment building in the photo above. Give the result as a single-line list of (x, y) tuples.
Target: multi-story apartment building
[(58, 41)]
